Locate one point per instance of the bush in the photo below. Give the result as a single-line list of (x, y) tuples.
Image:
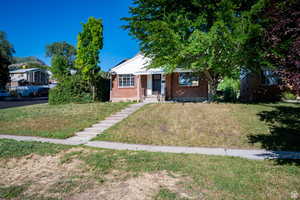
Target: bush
[(73, 89), (230, 89), (288, 96), (267, 93)]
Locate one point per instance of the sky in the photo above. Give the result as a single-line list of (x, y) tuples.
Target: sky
[(32, 24)]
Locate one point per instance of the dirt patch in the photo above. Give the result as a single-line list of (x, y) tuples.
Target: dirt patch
[(41, 173), (65, 176), (143, 187)]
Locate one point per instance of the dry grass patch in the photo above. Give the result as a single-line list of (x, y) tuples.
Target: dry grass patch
[(143, 187), (54, 121), (44, 175), (272, 126), (185, 124), (87, 173)]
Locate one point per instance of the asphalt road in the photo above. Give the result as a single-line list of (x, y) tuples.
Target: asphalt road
[(22, 102)]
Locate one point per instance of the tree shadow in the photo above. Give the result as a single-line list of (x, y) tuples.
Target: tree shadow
[(284, 125)]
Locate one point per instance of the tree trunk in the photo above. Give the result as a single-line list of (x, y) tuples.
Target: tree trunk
[(94, 92), (212, 90), (212, 86)]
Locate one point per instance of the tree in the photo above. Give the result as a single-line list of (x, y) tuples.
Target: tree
[(62, 58), (6, 52), (205, 36), (90, 42), (282, 40)]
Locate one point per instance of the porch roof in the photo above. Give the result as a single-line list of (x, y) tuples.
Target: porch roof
[(150, 71)]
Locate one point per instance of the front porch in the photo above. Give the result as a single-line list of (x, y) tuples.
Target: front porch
[(152, 87)]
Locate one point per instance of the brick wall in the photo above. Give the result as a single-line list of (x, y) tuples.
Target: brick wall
[(176, 91), (123, 94)]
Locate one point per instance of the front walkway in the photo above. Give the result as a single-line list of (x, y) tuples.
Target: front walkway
[(87, 134)]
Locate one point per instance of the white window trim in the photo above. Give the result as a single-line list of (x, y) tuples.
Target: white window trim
[(131, 86), (181, 85)]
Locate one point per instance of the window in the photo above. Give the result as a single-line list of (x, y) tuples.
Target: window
[(269, 78), (126, 80), (188, 79)]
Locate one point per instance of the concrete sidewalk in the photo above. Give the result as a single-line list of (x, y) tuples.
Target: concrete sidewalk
[(249, 154)]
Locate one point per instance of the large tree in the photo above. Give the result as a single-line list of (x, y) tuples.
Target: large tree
[(206, 36), (90, 42), (62, 58), (6, 52), (282, 40)]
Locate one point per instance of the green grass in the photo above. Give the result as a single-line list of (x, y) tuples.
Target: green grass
[(270, 126), (54, 121), (14, 149), (11, 191), (165, 194), (212, 177)]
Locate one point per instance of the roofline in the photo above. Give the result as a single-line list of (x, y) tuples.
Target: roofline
[(126, 62), (25, 70)]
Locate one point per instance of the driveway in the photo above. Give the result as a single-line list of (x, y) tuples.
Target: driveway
[(22, 102)]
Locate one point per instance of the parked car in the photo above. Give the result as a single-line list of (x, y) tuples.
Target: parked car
[(3, 94), (42, 92)]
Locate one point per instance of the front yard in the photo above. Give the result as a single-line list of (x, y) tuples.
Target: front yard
[(36, 171), (57, 121), (269, 126)]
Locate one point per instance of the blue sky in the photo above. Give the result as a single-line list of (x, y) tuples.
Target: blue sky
[(32, 24)]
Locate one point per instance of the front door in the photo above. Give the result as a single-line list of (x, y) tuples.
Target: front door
[(156, 84)]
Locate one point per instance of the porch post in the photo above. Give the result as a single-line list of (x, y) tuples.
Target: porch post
[(163, 84), (149, 84), (138, 85)]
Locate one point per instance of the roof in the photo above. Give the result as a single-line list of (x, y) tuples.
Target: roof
[(136, 65), (25, 70)]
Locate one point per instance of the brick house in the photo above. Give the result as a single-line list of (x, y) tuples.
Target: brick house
[(132, 81)]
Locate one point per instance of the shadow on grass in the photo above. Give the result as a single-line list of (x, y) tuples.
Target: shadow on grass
[(284, 124)]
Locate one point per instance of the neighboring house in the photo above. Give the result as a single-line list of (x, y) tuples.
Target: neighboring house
[(132, 80), (263, 85), (32, 76)]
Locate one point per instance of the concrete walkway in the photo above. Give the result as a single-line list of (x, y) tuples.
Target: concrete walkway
[(249, 154), (87, 134)]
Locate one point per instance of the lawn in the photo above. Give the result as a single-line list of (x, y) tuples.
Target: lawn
[(31, 170), (54, 121), (247, 126)]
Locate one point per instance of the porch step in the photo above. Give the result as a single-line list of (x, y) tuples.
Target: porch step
[(151, 99)]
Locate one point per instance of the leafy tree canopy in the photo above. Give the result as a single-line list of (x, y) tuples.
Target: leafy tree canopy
[(6, 48), (62, 58), (282, 40), (6, 53), (210, 36), (90, 42)]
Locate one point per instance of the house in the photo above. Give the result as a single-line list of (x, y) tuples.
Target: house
[(131, 80), (32, 76), (260, 86)]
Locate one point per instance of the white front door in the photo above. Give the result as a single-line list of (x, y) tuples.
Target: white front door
[(149, 84)]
